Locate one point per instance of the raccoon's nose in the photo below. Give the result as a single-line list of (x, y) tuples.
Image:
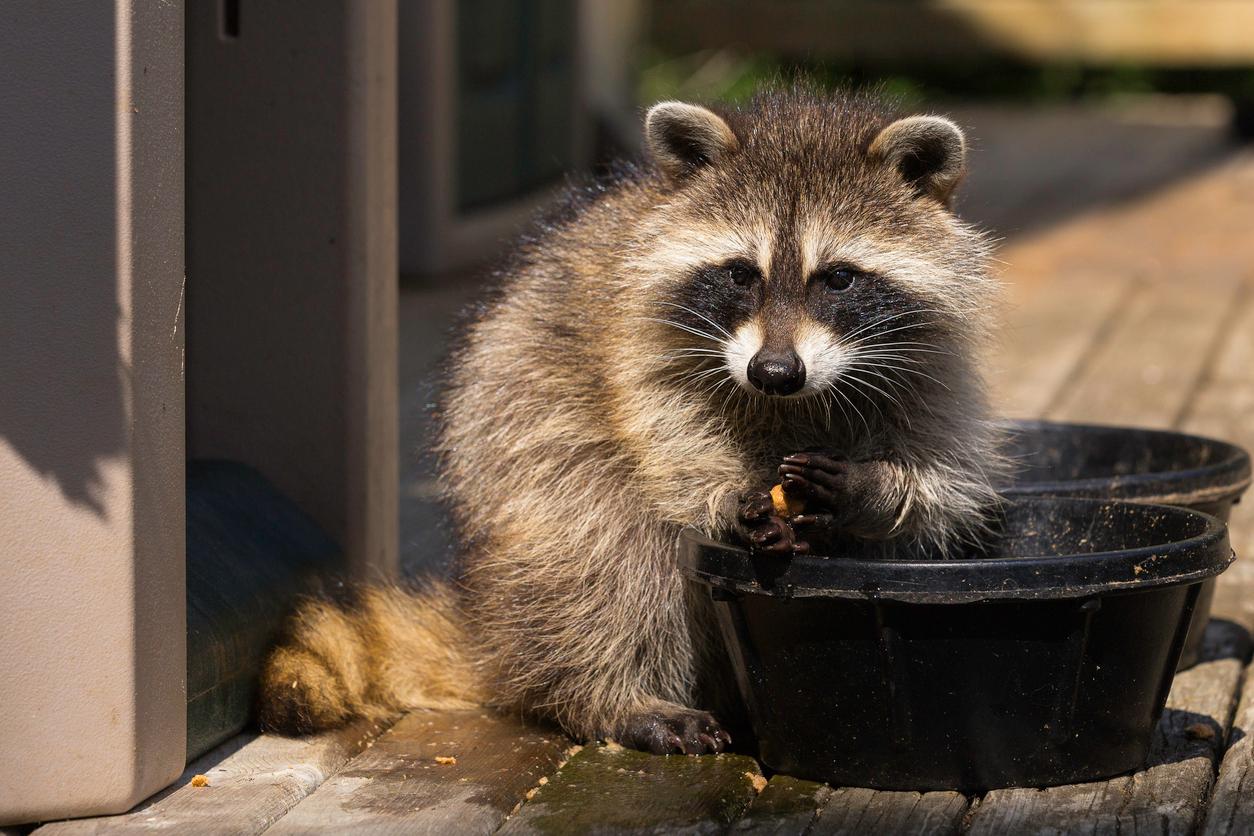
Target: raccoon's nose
[(777, 373)]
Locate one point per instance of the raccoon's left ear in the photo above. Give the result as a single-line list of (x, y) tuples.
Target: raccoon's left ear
[(930, 152), (683, 138)]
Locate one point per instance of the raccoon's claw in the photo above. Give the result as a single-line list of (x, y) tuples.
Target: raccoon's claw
[(818, 462), (762, 530), (842, 496), (818, 528), (681, 731), (817, 478), (755, 508), (775, 536)]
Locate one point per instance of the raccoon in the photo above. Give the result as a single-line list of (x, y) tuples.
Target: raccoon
[(780, 294)]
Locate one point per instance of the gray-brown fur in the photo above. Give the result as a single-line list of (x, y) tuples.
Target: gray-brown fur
[(586, 424)]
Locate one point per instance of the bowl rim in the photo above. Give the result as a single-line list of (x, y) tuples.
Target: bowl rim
[(1226, 478), (733, 569)]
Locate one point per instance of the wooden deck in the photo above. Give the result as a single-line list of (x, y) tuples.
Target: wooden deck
[(1139, 314)]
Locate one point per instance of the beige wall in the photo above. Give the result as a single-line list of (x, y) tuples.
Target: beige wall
[(92, 656)]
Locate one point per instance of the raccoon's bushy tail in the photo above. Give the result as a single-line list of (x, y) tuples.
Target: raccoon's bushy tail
[(387, 650)]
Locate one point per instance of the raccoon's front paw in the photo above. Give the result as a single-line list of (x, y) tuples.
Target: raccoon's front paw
[(842, 496), (674, 730), (762, 530), (776, 536), (755, 507)]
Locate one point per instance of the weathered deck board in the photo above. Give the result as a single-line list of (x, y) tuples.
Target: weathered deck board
[(611, 789), (1232, 801), (1050, 330), (1170, 795), (787, 805), (397, 786), (1146, 368), (253, 782), (1224, 407), (857, 811)]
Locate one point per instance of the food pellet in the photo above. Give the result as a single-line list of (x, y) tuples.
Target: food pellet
[(785, 506)]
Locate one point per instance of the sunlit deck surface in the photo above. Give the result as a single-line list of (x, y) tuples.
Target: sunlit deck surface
[(1137, 311)]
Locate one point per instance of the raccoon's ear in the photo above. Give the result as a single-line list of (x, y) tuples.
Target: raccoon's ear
[(930, 152), (683, 138)]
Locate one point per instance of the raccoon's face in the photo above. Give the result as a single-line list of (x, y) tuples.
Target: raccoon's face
[(804, 259), (788, 323)]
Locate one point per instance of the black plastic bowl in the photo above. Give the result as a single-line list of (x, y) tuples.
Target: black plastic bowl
[(1157, 466), (1045, 660)]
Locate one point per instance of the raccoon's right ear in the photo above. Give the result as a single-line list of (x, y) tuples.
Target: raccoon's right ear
[(683, 138)]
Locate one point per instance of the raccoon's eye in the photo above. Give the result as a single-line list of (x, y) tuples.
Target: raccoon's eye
[(838, 277), (741, 273)]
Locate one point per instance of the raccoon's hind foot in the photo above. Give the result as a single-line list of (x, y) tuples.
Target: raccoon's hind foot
[(669, 729), (842, 496), (762, 530)]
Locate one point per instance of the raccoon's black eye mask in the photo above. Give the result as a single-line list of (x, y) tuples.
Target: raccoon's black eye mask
[(852, 301), (835, 278), (719, 296)]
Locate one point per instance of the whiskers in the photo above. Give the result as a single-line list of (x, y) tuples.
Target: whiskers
[(889, 372), (700, 369), (719, 328), (885, 368), (688, 329)]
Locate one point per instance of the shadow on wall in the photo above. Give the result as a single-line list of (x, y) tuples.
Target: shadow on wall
[(59, 318)]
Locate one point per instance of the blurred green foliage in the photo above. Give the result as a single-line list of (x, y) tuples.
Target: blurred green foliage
[(730, 75)]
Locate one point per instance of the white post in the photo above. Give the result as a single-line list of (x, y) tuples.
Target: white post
[(92, 648)]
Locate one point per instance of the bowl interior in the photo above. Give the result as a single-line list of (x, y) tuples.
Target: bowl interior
[(1043, 547), (1046, 453), (1059, 529)]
